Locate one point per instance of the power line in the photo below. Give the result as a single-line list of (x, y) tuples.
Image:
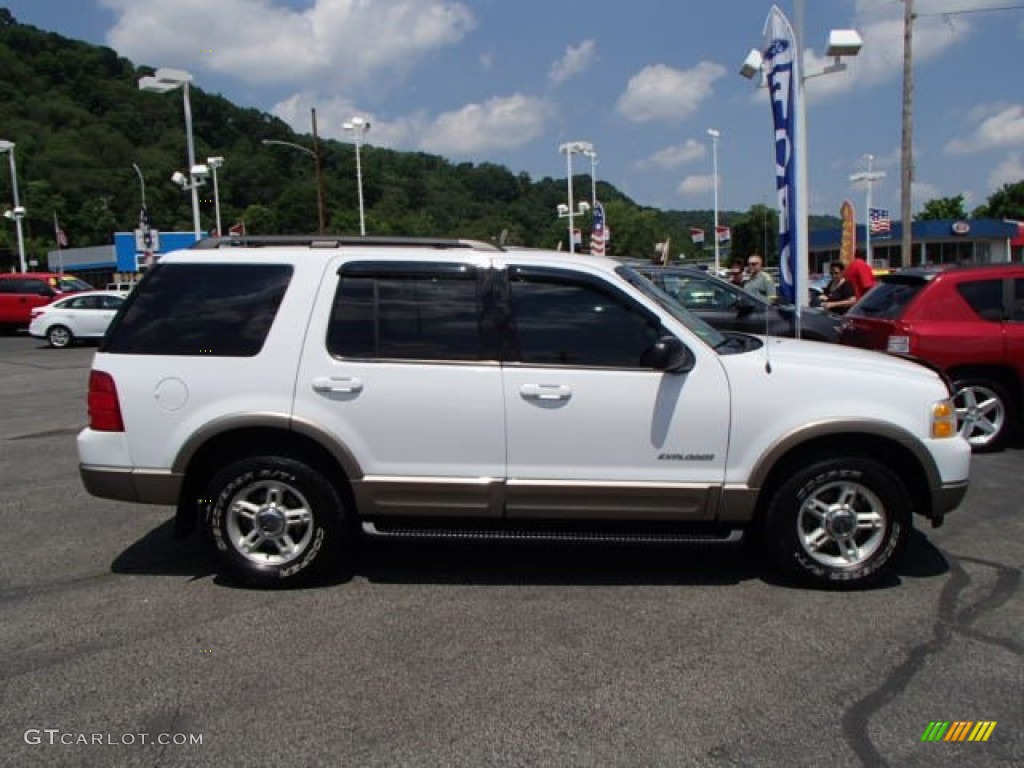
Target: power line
[(972, 10)]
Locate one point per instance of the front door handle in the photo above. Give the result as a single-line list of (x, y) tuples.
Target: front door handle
[(545, 392), (339, 384)]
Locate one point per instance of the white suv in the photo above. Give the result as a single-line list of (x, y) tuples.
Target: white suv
[(288, 393)]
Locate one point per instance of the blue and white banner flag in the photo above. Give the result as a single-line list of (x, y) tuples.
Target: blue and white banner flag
[(782, 71)]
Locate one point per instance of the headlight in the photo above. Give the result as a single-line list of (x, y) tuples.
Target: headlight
[(943, 419)]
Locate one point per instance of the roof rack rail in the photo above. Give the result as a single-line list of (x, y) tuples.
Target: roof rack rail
[(337, 241)]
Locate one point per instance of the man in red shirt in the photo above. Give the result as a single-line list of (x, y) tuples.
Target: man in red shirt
[(859, 275)]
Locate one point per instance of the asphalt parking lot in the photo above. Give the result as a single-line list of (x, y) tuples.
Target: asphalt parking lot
[(120, 646)]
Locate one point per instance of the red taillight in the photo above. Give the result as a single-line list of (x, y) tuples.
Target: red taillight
[(104, 408)]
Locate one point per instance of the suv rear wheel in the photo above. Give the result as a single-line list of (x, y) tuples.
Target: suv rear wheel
[(839, 522), (274, 520), (982, 413)]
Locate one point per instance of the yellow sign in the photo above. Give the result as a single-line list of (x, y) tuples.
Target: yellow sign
[(848, 244)]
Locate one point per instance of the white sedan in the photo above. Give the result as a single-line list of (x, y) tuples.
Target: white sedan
[(83, 315)]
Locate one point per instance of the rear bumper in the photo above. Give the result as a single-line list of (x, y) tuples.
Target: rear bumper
[(140, 486)]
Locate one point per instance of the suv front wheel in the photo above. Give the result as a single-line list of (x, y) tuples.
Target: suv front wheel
[(274, 520), (839, 522)]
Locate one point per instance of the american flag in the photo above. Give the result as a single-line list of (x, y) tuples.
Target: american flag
[(58, 234), (697, 235), (879, 221), (597, 239)]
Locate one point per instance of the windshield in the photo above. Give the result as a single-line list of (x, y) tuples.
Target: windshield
[(72, 284), (707, 334)]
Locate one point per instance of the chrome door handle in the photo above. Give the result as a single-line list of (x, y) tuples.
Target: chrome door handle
[(342, 384), (545, 392)]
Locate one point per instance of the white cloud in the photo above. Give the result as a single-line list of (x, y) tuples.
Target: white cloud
[(674, 156), (498, 123), (1010, 171), (659, 92), (1005, 128), (334, 42), (576, 59), (697, 186)]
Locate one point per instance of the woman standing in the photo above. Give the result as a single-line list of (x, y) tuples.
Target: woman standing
[(838, 295)]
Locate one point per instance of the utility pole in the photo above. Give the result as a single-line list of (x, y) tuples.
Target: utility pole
[(907, 147)]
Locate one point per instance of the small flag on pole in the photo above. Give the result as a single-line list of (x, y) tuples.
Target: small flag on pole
[(697, 235), (597, 232), (724, 234), (58, 233), (237, 229), (879, 221)]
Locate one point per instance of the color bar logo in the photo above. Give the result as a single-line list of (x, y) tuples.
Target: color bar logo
[(958, 730)]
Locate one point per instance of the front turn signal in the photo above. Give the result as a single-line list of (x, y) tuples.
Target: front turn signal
[(944, 419)]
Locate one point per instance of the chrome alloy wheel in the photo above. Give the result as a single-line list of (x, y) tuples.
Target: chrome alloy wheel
[(269, 522), (842, 524), (980, 414), (59, 337)]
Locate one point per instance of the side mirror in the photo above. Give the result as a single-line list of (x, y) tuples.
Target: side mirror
[(671, 355)]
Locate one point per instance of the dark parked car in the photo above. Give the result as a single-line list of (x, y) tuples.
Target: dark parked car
[(728, 307)]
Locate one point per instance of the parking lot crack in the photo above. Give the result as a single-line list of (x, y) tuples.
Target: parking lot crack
[(950, 620)]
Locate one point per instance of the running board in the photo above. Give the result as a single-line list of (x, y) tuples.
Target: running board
[(694, 535)]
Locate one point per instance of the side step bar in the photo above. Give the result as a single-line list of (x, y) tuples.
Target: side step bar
[(405, 530)]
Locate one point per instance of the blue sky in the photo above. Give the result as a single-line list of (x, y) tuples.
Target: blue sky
[(508, 81)]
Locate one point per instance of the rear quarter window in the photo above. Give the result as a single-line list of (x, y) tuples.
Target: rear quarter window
[(220, 310), (985, 298)]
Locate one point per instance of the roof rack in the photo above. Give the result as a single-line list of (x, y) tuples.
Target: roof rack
[(337, 241)]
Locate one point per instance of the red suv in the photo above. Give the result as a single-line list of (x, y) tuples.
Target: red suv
[(968, 321), (21, 292)]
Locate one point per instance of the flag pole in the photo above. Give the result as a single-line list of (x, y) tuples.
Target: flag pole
[(57, 237)]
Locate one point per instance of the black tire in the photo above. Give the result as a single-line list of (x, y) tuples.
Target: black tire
[(274, 521), (841, 522), (984, 413), (59, 336)]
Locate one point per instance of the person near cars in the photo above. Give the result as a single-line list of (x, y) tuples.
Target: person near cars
[(838, 295), (859, 275), (736, 272), (759, 282)]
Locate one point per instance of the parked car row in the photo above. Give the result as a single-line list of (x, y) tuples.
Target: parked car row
[(21, 292)]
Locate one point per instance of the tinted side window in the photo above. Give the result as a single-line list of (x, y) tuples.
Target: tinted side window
[(985, 298), (82, 302), (1018, 300), (201, 309), (888, 298), (408, 315), (562, 322)]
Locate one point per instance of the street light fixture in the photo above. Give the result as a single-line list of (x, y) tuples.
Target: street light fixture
[(359, 127), (319, 177), (870, 177), (569, 149), (18, 212), (592, 154), (843, 42), (715, 135), (213, 163), (165, 80)]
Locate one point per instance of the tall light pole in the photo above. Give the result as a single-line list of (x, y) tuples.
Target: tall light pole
[(715, 135), (907, 141), (870, 177), (213, 163), (17, 213), (165, 80), (569, 149), (319, 180), (359, 127), (592, 154)]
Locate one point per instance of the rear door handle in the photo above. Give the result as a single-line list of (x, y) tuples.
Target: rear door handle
[(545, 392), (340, 384)]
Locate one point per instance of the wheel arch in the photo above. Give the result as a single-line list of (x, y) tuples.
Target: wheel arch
[(879, 442), (1000, 374), (207, 453)]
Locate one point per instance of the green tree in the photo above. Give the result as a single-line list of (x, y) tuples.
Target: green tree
[(1006, 203), (943, 208)]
